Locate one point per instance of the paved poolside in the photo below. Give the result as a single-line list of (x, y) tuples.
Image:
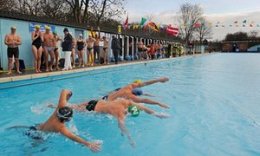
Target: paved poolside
[(29, 74)]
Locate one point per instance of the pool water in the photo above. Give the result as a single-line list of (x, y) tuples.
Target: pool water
[(214, 103)]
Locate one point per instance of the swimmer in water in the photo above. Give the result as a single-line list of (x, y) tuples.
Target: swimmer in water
[(132, 91), (118, 108), (56, 123)]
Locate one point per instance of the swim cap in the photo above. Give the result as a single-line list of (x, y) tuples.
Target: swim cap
[(64, 114), (137, 91), (137, 81), (47, 27), (37, 26), (134, 111)]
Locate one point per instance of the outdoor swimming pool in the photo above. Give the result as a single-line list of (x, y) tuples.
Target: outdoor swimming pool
[(214, 103)]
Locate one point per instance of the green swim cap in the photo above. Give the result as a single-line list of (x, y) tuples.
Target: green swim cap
[(134, 111)]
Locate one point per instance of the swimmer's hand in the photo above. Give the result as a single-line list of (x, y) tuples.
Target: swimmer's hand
[(161, 115), (51, 106), (94, 146), (164, 79), (164, 106)]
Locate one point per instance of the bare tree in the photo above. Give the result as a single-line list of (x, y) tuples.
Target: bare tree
[(7, 5), (79, 9), (54, 9), (30, 7), (106, 9), (189, 15), (204, 31)]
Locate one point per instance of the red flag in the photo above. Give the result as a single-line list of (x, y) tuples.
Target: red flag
[(173, 31), (125, 25)]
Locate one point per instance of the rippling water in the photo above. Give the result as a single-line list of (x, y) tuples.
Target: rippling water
[(214, 103)]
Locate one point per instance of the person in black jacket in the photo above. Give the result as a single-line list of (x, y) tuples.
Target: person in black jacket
[(115, 48), (67, 48)]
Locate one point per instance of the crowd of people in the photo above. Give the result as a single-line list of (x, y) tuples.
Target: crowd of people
[(126, 101), (45, 49)]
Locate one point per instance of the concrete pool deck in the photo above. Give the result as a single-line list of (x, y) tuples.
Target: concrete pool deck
[(30, 75)]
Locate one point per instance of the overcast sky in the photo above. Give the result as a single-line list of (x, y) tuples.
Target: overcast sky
[(224, 11)]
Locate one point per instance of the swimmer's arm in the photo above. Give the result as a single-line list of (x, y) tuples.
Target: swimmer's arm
[(34, 38), (150, 111), (124, 130), (6, 40), (146, 83), (19, 41), (147, 101), (93, 146), (64, 97)]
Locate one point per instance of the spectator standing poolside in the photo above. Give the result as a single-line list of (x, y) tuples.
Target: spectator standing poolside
[(97, 50), (105, 50), (37, 39), (115, 48), (12, 41), (73, 52), (67, 48), (48, 43), (90, 51), (56, 49), (80, 47)]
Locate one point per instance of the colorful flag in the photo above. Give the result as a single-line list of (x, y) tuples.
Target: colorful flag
[(143, 21), (197, 25), (125, 25), (153, 26), (172, 31)]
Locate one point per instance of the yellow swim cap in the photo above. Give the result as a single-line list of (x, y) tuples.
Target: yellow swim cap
[(37, 26), (137, 81), (47, 27)]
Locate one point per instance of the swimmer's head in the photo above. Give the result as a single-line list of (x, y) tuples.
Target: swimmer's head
[(47, 28), (134, 111), (37, 27), (137, 81), (64, 114), (137, 91)]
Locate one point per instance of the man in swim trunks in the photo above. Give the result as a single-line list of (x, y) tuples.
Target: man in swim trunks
[(90, 51), (127, 92), (118, 108), (56, 123), (105, 49), (56, 49), (12, 41), (48, 42)]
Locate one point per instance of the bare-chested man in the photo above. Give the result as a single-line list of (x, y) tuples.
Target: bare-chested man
[(118, 108), (105, 49), (127, 92), (56, 49), (90, 50), (12, 41), (48, 41), (56, 124)]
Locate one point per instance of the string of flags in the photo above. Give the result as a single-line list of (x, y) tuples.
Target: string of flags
[(243, 23)]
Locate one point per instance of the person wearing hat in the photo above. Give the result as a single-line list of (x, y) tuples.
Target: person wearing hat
[(37, 39), (56, 123), (48, 42), (12, 41), (130, 92), (119, 109), (67, 48)]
